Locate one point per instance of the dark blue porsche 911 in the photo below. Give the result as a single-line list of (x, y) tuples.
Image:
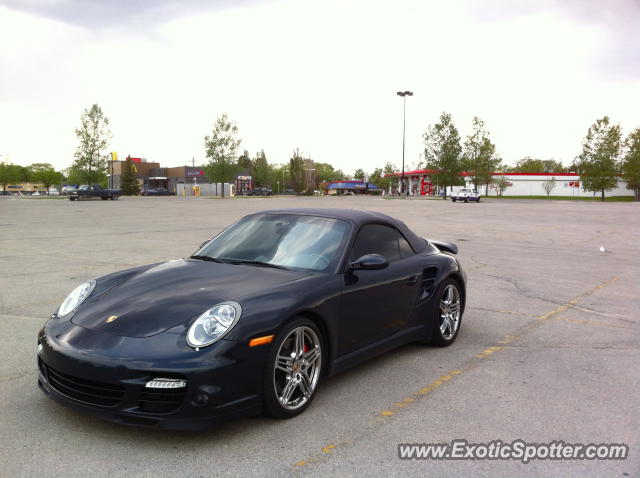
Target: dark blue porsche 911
[(252, 322)]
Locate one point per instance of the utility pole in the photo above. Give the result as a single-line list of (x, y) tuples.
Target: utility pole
[(404, 95)]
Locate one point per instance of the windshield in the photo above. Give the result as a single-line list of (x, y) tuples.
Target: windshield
[(287, 240), (84, 187)]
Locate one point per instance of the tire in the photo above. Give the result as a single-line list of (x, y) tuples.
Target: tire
[(440, 337), (104, 198), (71, 199), (478, 200), (466, 199), (298, 377), (114, 197), (453, 199)]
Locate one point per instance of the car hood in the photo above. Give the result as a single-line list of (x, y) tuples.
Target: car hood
[(172, 293)]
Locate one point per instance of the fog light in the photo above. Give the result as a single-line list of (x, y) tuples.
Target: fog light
[(200, 398), (166, 383)]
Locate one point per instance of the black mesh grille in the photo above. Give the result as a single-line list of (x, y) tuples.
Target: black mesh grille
[(88, 391), (158, 400)]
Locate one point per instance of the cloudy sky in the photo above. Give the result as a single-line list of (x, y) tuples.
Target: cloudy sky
[(321, 76)]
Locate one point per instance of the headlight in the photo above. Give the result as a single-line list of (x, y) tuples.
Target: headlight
[(213, 324), (76, 297)]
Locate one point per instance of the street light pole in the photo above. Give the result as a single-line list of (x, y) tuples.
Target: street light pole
[(404, 95)]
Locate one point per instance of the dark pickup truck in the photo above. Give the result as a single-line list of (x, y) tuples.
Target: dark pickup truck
[(94, 191)]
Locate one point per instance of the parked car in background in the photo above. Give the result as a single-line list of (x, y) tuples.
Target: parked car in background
[(53, 192), (466, 195), (260, 192), (66, 190), (94, 191), (157, 192)]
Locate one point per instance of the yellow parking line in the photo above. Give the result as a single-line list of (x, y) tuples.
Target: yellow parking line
[(397, 407)]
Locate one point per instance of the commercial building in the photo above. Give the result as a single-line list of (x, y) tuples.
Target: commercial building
[(151, 175), (424, 182)]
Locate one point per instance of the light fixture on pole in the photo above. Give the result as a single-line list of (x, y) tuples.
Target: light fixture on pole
[(404, 95)]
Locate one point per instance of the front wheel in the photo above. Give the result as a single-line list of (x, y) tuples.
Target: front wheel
[(293, 370), (453, 199), (114, 197), (447, 314)]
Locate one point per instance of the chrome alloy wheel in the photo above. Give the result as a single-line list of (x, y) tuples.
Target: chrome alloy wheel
[(297, 367), (449, 312)]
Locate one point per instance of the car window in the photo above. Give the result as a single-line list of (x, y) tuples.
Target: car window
[(383, 240), (290, 240)]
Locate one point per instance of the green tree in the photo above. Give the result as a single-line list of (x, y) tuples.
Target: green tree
[(9, 174), (90, 162), (296, 171), (443, 151), (221, 148), (631, 162), (473, 150), (501, 185), (549, 185), (532, 165), (488, 163), (386, 180), (262, 172), (326, 173), (598, 162), (244, 161), (376, 177), (359, 174), (129, 181), (45, 174)]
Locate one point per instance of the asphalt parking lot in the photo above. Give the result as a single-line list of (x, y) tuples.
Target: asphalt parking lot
[(549, 347)]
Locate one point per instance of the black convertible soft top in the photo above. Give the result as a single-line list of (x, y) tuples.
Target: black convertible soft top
[(357, 217)]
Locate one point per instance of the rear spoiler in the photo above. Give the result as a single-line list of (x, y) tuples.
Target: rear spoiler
[(449, 247)]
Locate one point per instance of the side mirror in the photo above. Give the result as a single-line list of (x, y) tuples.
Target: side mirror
[(370, 262)]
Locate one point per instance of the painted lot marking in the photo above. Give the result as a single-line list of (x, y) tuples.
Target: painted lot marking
[(391, 412)]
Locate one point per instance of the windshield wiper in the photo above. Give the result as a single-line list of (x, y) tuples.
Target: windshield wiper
[(208, 258), (258, 263)]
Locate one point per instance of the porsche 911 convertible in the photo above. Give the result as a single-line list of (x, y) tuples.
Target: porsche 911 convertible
[(252, 322)]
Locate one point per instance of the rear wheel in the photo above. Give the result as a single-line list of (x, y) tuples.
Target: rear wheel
[(114, 197), (453, 199), (447, 314), (293, 370)]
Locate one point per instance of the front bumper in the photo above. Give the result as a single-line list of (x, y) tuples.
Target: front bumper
[(105, 375)]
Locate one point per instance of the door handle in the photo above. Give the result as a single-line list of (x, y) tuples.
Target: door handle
[(413, 280)]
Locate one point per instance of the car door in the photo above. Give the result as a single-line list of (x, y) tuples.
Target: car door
[(377, 303)]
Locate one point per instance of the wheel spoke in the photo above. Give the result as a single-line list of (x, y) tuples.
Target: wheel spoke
[(285, 364), (445, 325), (299, 350), (451, 295), (305, 385), (288, 390), (312, 355)]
